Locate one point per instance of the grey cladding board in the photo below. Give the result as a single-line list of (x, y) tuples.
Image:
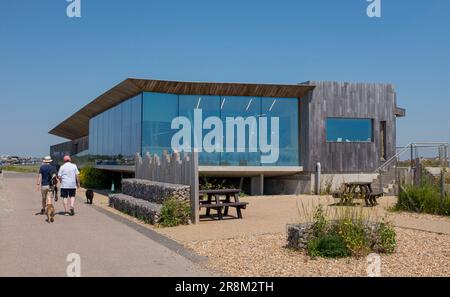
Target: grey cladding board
[(347, 100)]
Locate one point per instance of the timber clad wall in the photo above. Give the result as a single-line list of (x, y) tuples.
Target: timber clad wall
[(347, 100)]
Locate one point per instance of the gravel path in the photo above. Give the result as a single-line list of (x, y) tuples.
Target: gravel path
[(418, 254)]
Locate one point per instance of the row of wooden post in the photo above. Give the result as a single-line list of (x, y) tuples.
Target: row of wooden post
[(173, 169)]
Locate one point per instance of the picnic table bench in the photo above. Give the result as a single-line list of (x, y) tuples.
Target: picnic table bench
[(358, 190), (213, 201)]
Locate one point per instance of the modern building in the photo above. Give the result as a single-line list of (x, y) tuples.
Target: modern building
[(348, 127)]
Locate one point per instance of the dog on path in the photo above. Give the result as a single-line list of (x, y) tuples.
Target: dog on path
[(89, 196), (50, 212)]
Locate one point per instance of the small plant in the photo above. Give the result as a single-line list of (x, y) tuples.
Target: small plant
[(327, 246), (353, 234), (327, 186), (350, 232), (387, 238), (319, 222), (214, 184), (175, 212)]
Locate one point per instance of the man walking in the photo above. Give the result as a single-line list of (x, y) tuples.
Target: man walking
[(44, 178), (70, 181)]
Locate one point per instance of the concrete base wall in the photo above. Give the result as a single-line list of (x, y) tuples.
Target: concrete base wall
[(291, 185), (305, 183)]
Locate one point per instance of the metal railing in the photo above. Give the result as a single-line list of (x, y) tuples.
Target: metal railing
[(413, 148)]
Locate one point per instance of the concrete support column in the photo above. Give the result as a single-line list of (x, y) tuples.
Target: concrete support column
[(257, 185)]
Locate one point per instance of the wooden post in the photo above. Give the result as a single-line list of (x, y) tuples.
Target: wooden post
[(195, 215), (412, 156), (446, 162)]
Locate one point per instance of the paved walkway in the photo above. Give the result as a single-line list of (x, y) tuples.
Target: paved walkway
[(31, 247)]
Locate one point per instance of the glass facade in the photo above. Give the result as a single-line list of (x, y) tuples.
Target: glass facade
[(117, 131), (143, 124), (349, 130)]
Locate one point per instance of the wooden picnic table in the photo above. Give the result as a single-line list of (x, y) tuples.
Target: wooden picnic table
[(359, 190), (214, 201)]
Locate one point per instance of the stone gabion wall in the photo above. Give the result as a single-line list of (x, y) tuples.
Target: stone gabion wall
[(155, 192), (144, 210), (298, 235)]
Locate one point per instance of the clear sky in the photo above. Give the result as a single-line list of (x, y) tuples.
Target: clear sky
[(52, 65)]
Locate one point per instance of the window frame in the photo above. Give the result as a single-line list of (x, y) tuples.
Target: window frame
[(372, 123)]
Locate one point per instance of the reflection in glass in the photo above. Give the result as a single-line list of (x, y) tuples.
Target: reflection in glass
[(158, 112), (286, 109), (349, 130), (210, 106), (244, 153), (143, 124), (116, 133)]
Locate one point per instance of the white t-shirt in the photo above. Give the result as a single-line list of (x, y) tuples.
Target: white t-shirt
[(68, 173)]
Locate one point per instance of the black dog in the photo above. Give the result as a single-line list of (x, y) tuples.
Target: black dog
[(89, 196)]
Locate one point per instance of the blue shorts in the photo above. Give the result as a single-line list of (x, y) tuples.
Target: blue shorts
[(67, 193)]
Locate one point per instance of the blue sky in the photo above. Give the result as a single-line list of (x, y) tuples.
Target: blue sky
[(51, 65)]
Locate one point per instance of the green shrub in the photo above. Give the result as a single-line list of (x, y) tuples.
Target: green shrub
[(319, 222), (425, 198), (354, 235), (328, 246), (387, 238), (92, 178), (348, 233), (214, 184), (175, 212)]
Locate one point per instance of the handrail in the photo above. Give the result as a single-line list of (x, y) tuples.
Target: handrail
[(406, 148)]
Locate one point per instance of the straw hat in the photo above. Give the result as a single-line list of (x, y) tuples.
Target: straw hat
[(47, 159)]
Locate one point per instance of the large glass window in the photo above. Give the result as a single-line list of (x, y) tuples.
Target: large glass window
[(286, 110), (143, 124), (116, 132), (349, 130), (245, 151), (158, 112), (210, 106)]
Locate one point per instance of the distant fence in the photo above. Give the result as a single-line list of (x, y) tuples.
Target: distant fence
[(171, 168)]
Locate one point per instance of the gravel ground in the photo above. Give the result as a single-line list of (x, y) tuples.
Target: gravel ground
[(418, 254), (421, 216)]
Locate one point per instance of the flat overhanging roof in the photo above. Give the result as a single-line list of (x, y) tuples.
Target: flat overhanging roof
[(77, 125)]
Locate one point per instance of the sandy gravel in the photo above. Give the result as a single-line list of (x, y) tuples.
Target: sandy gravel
[(418, 254), (419, 216)]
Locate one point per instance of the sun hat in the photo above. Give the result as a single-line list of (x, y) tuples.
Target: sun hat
[(67, 159), (47, 159)]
